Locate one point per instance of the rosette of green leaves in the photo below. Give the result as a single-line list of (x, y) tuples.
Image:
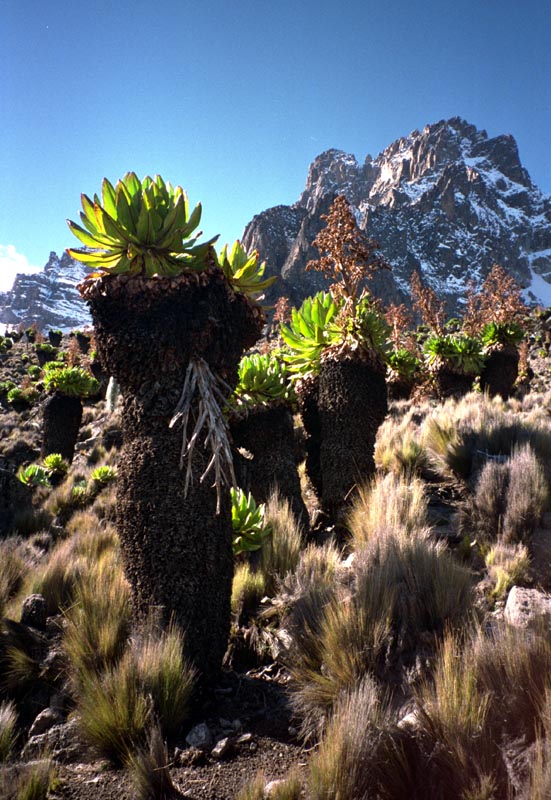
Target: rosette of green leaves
[(368, 328), (313, 328), (140, 228), (263, 379), (403, 363), (249, 527), (243, 271), (35, 475), (56, 464), (461, 354), (70, 381), (496, 334)]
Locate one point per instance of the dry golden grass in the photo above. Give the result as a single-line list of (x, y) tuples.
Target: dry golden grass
[(280, 551), (389, 502)]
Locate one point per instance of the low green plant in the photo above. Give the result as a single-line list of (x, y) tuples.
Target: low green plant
[(34, 372), (103, 475), (313, 328), (248, 589), (6, 386), (55, 463), (35, 475), (22, 396), (242, 270), (70, 381), (263, 379), (248, 523)]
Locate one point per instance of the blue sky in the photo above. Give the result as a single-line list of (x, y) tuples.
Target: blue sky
[(233, 100)]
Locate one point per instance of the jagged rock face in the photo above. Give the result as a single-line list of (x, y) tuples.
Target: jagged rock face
[(49, 298), (447, 201)]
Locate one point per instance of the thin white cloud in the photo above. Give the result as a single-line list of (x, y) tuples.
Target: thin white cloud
[(12, 262)]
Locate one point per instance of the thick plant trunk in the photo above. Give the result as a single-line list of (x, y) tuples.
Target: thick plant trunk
[(451, 384), (268, 435), (62, 416), (177, 550), (500, 372), (352, 402)]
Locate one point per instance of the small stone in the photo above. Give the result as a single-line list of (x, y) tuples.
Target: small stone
[(410, 721), (526, 608), (245, 738), (200, 737), (221, 748), (271, 788), (33, 611), (44, 721), (190, 757)]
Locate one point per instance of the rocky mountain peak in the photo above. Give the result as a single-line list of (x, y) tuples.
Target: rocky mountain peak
[(48, 298), (447, 201)]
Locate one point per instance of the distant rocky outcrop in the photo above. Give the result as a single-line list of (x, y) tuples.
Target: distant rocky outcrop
[(447, 201), (48, 298)]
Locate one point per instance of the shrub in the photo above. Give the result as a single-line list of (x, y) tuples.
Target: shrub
[(22, 396), (462, 354)]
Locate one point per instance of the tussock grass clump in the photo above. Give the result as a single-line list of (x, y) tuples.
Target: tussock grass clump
[(509, 500), (149, 770), (36, 782), (404, 590), (508, 565), (459, 436), (389, 502), (12, 570), (398, 447), (280, 551), (454, 712), (527, 496), (98, 622), (248, 589), (359, 755), (491, 690), (58, 578), (151, 681), (8, 730), (289, 788)]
